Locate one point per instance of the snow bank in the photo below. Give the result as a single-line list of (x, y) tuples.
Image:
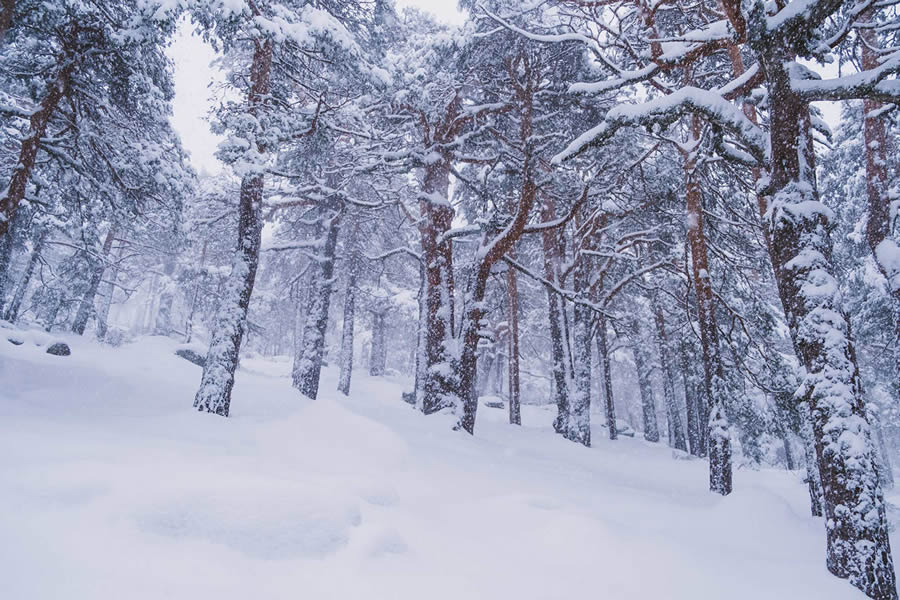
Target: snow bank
[(111, 486)]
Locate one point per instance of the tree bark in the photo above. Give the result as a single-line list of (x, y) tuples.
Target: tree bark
[(609, 401), (645, 385), (673, 413), (858, 547), (719, 442), (695, 440), (347, 333), (550, 245), (309, 369), (378, 357), (15, 304), (28, 151), (214, 394), (7, 10), (439, 390), (515, 409), (86, 306)]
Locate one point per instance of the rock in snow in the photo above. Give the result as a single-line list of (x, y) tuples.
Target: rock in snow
[(59, 349)]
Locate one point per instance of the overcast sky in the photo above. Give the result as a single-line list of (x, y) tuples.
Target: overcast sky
[(194, 76)]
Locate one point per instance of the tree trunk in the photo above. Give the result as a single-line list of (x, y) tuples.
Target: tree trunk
[(813, 478), (103, 315), (214, 394), (378, 358), (645, 385), (439, 389), (12, 311), (673, 413), (858, 547), (7, 10), (719, 442), (580, 413), (163, 325), (189, 323), (606, 367), (86, 306), (347, 332), (512, 289), (309, 369), (550, 244), (28, 151), (695, 440)]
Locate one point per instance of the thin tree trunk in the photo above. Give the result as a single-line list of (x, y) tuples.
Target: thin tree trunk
[(515, 409), (606, 368), (378, 357), (86, 306), (719, 442), (580, 413), (103, 315), (189, 324), (12, 311), (310, 368), (347, 332), (214, 394), (645, 386), (550, 245), (673, 414), (695, 440), (163, 324)]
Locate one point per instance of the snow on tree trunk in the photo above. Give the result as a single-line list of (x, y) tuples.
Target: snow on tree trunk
[(86, 306), (309, 369), (15, 304), (609, 401), (347, 332), (512, 289), (439, 390), (858, 547), (580, 408), (230, 324), (718, 440), (673, 414), (645, 385)]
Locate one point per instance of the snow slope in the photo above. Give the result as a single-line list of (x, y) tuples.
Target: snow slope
[(112, 487)]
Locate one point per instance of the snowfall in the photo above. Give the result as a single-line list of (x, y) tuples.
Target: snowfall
[(111, 486)]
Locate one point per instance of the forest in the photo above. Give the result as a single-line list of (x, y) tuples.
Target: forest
[(667, 220)]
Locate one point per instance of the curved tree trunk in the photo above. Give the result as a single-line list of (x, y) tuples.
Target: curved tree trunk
[(28, 151), (214, 394)]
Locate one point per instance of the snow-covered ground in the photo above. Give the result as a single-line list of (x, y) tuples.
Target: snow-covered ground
[(112, 487)]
